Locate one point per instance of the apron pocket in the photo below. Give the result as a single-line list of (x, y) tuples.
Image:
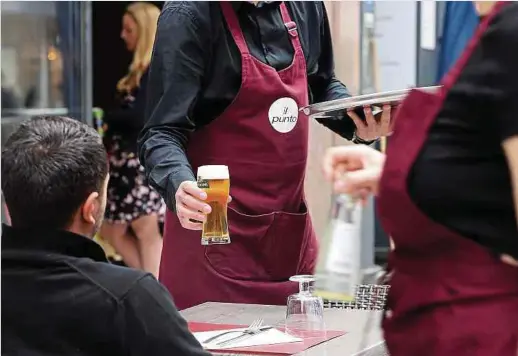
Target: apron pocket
[(289, 245), (263, 247)]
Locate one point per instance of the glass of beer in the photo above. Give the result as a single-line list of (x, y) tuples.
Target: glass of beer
[(215, 181)]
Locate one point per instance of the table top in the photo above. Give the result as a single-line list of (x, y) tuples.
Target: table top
[(363, 332)]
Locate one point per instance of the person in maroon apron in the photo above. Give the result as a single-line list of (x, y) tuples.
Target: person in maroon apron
[(450, 295), (260, 136), (269, 180)]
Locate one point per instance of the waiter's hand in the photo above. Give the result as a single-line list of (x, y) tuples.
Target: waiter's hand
[(373, 127), (354, 169), (190, 206)]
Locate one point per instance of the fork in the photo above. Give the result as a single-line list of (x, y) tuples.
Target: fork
[(254, 327), (243, 336)]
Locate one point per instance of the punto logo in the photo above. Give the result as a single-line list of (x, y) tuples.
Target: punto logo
[(283, 115)]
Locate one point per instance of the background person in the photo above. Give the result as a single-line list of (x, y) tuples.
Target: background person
[(9, 100), (226, 82), (60, 296), (445, 195), (134, 209)]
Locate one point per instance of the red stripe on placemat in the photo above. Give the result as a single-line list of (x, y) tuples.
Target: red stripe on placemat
[(277, 349)]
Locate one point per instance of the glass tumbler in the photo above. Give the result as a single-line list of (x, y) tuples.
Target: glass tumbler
[(305, 311)]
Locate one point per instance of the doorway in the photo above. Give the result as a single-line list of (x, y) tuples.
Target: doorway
[(110, 62), (109, 55)]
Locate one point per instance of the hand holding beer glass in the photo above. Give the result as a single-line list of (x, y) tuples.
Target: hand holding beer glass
[(203, 205)]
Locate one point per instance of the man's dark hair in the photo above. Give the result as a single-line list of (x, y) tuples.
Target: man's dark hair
[(50, 165)]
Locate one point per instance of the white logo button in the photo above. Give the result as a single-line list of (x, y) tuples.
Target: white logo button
[(283, 114)]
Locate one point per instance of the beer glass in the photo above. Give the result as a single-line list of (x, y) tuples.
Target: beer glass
[(215, 181)]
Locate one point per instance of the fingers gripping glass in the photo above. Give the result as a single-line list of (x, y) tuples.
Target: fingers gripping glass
[(215, 181)]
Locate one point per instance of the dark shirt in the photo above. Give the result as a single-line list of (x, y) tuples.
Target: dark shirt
[(127, 121), (195, 74), (61, 297), (461, 178)]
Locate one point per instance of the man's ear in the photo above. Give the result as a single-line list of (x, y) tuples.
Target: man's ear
[(90, 207)]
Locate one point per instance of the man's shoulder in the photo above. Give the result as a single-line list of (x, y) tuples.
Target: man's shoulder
[(312, 11), (115, 280), (190, 5), (314, 7), (197, 11), (307, 4), (202, 16)]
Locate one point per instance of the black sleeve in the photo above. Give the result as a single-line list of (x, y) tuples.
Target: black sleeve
[(153, 325), (325, 86), (496, 71), (133, 115), (175, 76)]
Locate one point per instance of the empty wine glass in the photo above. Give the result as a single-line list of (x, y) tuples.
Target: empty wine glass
[(305, 311)]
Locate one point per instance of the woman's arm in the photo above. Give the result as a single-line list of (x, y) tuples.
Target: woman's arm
[(511, 152), (501, 51)]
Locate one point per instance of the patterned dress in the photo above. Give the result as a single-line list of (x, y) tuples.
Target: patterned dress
[(129, 197)]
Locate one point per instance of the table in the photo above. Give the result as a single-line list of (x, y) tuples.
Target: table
[(363, 337)]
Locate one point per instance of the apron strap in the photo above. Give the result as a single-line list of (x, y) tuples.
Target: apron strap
[(291, 27), (233, 26)]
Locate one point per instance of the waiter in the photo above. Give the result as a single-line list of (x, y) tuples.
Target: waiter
[(221, 76)]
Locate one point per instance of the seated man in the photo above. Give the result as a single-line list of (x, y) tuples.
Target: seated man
[(59, 294)]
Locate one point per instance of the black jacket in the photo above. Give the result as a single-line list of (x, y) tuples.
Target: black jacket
[(61, 297)]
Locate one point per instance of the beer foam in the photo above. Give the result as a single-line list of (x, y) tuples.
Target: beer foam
[(213, 172)]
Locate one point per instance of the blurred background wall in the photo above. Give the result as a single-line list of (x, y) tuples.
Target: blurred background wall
[(344, 18)]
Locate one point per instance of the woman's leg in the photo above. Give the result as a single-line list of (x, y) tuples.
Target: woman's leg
[(149, 241), (118, 235)]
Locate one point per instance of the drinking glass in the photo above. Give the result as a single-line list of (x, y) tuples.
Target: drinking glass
[(215, 181), (305, 311)]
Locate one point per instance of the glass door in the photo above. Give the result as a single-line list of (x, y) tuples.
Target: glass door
[(46, 61)]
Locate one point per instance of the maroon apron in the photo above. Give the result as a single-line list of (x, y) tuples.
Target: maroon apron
[(449, 295), (264, 141)]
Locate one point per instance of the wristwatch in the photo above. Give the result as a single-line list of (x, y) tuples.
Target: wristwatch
[(361, 141)]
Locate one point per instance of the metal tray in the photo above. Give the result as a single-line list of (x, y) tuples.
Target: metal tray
[(336, 107)]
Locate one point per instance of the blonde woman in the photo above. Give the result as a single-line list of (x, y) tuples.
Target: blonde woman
[(134, 210)]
